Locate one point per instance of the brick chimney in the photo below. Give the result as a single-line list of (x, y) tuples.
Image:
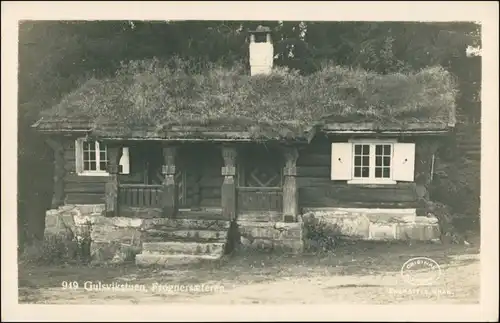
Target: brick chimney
[(261, 51)]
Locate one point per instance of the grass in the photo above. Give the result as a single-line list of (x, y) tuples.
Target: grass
[(158, 95), (353, 269)]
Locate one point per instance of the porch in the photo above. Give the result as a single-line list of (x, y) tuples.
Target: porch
[(244, 181)]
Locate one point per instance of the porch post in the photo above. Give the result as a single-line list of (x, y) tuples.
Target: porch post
[(112, 185), (228, 190), (59, 172), (290, 196), (169, 195)]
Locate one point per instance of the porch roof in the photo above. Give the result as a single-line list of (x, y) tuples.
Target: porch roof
[(152, 100)]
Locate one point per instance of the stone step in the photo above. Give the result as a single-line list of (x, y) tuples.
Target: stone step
[(154, 235), (171, 260), (185, 224), (200, 215), (187, 248)]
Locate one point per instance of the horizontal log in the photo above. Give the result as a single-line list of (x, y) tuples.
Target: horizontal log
[(69, 154), (260, 189), (69, 165), (73, 177), (313, 181), (84, 187), (371, 126), (84, 198), (330, 202), (313, 171), (354, 193), (315, 159), (140, 186)]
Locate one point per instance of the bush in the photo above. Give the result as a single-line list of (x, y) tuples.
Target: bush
[(59, 249), (319, 235), (53, 249), (457, 185)]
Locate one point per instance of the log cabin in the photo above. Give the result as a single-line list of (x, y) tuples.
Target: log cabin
[(182, 166)]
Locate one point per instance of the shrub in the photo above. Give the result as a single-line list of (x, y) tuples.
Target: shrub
[(54, 249), (59, 249), (457, 184), (319, 235)]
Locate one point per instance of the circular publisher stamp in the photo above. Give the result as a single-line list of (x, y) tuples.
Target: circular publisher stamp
[(420, 271)]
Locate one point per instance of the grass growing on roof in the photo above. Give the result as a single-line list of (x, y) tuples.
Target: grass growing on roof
[(157, 94)]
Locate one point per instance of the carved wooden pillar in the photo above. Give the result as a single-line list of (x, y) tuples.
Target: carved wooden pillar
[(59, 172), (169, 201), (112, 185), (290, 192), (228, 190)]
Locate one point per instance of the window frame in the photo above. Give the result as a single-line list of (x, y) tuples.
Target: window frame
[(80, 155), (372, 179)]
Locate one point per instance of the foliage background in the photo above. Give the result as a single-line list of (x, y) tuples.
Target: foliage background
[(55, 57)]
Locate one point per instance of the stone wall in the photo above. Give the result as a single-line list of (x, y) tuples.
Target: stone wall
[(120, 239), (271, 235), (115, 239), (376, 224)]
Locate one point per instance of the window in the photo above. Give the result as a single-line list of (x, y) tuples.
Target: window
[(373, 161), (91, 157)]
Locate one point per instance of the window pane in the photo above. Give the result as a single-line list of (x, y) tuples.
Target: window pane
[(357, 161), (378, 150), (102, 166), (357, 149), (93, 165), (86, 166), (86, 155), (387, 172), (378, 172), (89, 145), (102, 155), (366, 160), (366, 172), (387, 149), (378, 161), (366, 149), (357, 171), (387, 161)]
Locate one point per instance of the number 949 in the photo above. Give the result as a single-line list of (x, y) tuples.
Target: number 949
[(69, 285)]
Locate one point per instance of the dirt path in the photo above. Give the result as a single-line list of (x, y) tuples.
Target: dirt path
[(459, 284)]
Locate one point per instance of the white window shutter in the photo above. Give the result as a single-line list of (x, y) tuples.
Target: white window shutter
[(341, 167), (125, 161), (79, 155), (404, 162)]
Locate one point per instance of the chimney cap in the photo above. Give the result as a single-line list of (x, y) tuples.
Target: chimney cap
[(260, 29)]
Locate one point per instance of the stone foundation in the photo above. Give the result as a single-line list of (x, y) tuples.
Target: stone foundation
[(120, 239), (115, 239), (279, 236), (375, 224)]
